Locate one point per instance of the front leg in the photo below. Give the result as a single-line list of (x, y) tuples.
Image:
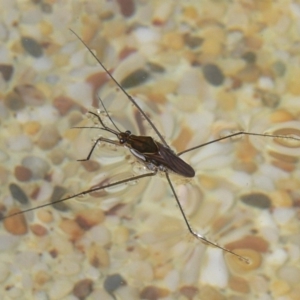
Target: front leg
[(100, 139)]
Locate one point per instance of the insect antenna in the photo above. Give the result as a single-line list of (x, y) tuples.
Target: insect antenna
[(237, 134), (194, 233), (123, 90), (107, 114)]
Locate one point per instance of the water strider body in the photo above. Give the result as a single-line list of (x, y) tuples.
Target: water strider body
[(156, 156)]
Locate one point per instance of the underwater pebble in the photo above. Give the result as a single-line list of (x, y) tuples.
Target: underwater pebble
[(127, 7), (189, 292), (249, 57), (19, 143), (209, 292), (6, 71), (57, 194), (250, 242), (41, 277), (215, 261), (38, 166), (83, 288), (22, 173), (281, 198), (8, 242), (281, 116), (71, 228), (279, 288), (88, 218), (16, 225), (135, 78), (46, 8), (270, 99), (100, 234), (56, 156), (60, 288), (32, 127), (283, 215), (193, 41), (14, 101), (240, 267), (279, 67), (68, 267), (31, 94), (32, 47), (98, 256), (143, 268), (48, 138), (38, 230), (239, 284), (63, 104), (277, 257), (113, 282), (258, 200), (18, 194), (44, 216), (213, 74), (153, 293), (91, 165), (290, 274), (26, 259)]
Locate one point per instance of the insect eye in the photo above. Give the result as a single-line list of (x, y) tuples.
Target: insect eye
[(128, 132)]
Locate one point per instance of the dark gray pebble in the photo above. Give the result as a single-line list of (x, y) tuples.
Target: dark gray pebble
[(46, 8), (213, 74), (57, 194), (18, 194), (249, 57), (279, 67), (113, 282), (6, 71), (135, 78), (258, 200), (32, 47)]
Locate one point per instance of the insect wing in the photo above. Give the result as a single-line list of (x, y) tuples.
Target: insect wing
[(169, 159)]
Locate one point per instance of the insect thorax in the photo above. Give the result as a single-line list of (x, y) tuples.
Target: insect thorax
[(150, 165)]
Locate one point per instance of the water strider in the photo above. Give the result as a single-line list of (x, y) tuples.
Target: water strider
[(156, 156)]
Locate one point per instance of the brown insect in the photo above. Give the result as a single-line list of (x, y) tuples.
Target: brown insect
[(156, 156)]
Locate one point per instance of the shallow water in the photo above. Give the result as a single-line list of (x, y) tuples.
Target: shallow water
[(207, 70)]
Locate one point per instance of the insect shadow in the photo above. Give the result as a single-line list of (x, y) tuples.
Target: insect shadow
[(156, 156)]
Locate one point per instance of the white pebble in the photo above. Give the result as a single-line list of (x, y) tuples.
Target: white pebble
[(68, 267), (283, 215), (100, 234), (172, 280), (266, 83), (215, 271), (26, 259), (8, 242), (60, 288), (19, 143), (143, 268), (277, 258)]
